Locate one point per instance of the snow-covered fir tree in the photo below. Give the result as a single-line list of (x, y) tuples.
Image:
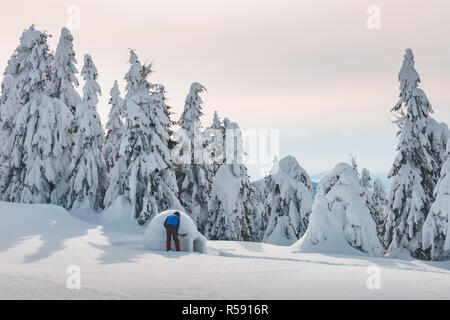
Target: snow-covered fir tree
[(64, 72), (415, 169), (375, 209), (340, 216), (114, 127), (163, 110), (436, 229), (214, 137), (9, 110), (37, 167), (193, 171), (288, 202), (260, 218), (162, 186), (88, 178), (379, 202), (143, 173), (354, 163), (231, 205)]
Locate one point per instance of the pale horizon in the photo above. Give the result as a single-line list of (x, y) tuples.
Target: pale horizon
[(313, 70)]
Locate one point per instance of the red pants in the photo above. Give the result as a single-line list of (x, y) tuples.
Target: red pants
[(172, 233)]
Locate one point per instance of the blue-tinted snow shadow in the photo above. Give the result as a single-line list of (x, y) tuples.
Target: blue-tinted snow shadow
[(388, 262), (252, 246), (49, 224)]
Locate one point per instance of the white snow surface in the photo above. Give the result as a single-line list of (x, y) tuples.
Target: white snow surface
[(155, 235), (39, 242)]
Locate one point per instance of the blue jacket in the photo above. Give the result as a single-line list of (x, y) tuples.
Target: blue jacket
[(172, 220)]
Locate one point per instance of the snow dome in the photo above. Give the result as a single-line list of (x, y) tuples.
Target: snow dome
[(155, 235)]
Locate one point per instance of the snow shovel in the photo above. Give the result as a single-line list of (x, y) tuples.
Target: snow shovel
[(182, 235)]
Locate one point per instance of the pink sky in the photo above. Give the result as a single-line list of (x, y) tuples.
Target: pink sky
[(309, 68)]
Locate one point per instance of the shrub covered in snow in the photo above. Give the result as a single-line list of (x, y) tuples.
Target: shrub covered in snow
[(339, 217), (155, 235)]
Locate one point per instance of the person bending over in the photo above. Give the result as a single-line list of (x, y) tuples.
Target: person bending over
[(172, 225)]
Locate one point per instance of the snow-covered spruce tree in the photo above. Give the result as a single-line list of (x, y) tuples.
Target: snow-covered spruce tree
[(39, 159), (114, 127), (231, 205), (9, 110), (379, 202), (162, 187), (354, 163), (436, 229), (415, 169), (88, 178), (375, 209), (260, 217), (163, 111), (143, 172), (288, 202), (64, 72), (10, 70), (214, 137), (339, 216), (366, 195), (193, 170)]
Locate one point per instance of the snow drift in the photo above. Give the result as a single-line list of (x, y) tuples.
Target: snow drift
[(155, 235)]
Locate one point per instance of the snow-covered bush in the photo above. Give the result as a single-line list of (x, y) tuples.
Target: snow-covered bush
[(155, 235), (436, 229), (339, 217)]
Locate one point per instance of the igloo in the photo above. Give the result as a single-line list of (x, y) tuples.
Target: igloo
[(155, 235)]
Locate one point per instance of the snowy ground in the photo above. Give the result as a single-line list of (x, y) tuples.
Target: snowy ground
[(38, 243)]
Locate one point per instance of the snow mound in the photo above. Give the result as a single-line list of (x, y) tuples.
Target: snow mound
[(323, 235), (120, 215), (155, 235), (340, 222)]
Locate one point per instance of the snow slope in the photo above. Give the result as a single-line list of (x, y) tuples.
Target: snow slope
[(39, 242)]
